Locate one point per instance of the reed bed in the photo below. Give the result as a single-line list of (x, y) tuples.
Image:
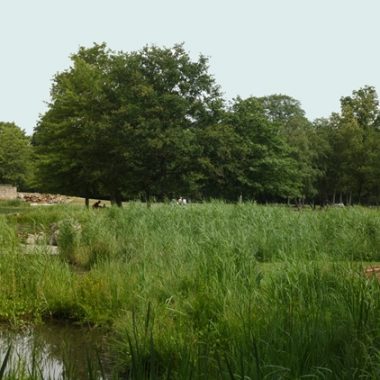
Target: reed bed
[(207, 291)]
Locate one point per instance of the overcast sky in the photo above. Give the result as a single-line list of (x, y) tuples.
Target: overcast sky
[(313, 50)]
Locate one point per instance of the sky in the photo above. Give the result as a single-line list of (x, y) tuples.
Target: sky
[(313, 50)]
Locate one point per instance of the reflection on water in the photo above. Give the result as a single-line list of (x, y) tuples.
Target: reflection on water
[(55, 351)]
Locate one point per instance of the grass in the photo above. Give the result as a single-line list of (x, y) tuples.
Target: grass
[(13, 206), (210, 291)]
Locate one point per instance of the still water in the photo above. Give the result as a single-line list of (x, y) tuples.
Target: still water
[(56, 351)]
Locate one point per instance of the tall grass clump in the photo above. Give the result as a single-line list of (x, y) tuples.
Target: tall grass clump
[(35, 287), (8, 237), (14, 203), (89, 239), (14, 206), (39, 218)]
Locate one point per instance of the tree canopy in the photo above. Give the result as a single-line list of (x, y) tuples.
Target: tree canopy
[(124, 123), (153, 123), (15, 156)]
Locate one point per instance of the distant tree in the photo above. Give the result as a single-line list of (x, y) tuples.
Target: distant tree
[(327, 162), (221, 162), (372, 169), (358, 128), (363, 107), (15, 156), (300, 136), (352, 158), (270, 171)]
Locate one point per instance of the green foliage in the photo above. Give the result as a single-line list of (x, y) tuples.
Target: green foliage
[(124, 123), (15, 156), (8, 237), (351, 157), (220, 172), (269, 172), (65, 137), (300, 136), (151, 124), (87, 242), (211, 291), (12, 203)]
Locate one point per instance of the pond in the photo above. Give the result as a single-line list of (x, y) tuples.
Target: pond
[(56, 351)]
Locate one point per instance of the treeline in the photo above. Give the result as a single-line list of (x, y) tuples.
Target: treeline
[(153, 124)]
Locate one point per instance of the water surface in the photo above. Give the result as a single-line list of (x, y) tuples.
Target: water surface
[(56, 350)]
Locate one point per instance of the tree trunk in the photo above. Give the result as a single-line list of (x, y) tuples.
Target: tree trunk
[(116, 199), (147, 198), (87, 202), (349, 198)]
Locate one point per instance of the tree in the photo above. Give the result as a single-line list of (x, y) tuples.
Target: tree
[(124, 123), (300, 136), (221, 172), (270, 172), (352, 158), (372, 170), (358, 127), (66, 138), (15, 156), (327, 162), (179, 98)]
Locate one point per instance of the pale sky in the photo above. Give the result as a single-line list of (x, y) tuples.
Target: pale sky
[(313, 50)]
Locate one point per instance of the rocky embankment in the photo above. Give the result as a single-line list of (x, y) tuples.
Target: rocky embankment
[(43, 199)]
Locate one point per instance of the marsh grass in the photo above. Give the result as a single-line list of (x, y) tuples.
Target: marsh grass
[(8, 236), (211, 291), (13, 206)]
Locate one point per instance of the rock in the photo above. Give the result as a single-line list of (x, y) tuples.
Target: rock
[(36, 239), (43, 199), (54, 230)]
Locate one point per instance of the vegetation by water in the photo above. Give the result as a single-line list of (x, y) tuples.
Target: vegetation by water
[(206, 291)]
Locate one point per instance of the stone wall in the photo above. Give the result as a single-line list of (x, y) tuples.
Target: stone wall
[(8, 192)]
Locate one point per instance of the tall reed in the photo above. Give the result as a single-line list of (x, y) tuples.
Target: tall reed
[(210, 291)]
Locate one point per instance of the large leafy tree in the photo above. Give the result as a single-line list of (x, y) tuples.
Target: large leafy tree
[(66, 138), (179, 98), (15, 156), (124, 123)]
